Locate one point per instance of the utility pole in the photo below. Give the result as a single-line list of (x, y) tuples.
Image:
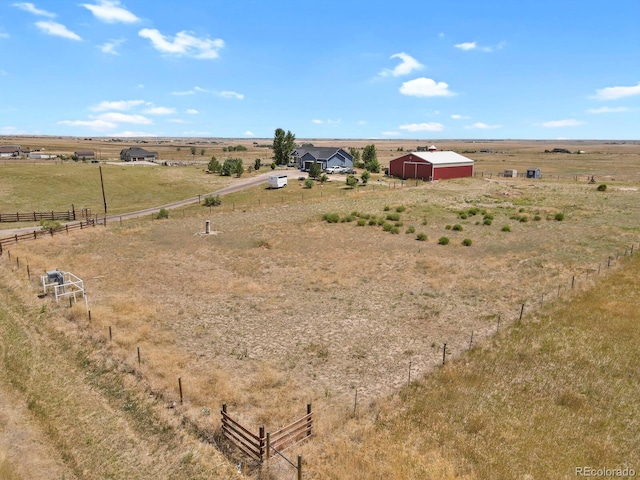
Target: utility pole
[(104, 199)]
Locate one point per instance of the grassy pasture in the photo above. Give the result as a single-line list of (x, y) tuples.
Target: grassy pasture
[(278, 308)]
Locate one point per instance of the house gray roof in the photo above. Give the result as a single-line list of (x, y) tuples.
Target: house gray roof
[(319, 153), (138, 152)]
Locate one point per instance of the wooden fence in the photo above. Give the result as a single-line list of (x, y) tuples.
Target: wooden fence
[(45, 232), (259, 446), (69, 215)]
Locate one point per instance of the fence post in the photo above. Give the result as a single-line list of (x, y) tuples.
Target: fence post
[(299, 467), (110, 336), (268, 445), (521, 312), (471, 340), (309, 421), (355, 402), (444, 353), (262, 443), (180, 389), (138, 356), (28, 272), (498, 327)]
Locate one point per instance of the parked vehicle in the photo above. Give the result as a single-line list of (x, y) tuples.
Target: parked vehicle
[(334, 169), (277, 181)]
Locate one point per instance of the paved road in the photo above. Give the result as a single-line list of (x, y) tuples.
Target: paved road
[(236, 186)]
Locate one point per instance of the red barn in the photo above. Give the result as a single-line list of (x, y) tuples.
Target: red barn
[(431, 165)]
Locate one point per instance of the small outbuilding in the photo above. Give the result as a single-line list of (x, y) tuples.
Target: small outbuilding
[(431, 165), (533, 173), (510, 173)]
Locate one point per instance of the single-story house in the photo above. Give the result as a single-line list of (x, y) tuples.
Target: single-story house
[(431, 165), (327, 157), (85, 154), (135, 154), (10, 151), (42, 155)]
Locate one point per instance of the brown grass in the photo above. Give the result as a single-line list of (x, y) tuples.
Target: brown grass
[(280, 308)]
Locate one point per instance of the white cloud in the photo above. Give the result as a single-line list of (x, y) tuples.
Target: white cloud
[(441, 35), (111, 46), (466, 46), (140, 85), (11, 130), (249, 133), (121, 105), (186, 92), (183, 44), (607, 110), (425, 87), (456, 116), (407, 65), (231, 94), (192, 111), (93, 124), (110, 12), (57, 29), (481, 126), (160, 111), (177, 120), (334, 122), (129, 133), (116, 117), (391, 133), (570, 122), (4, 35), (317, 121), (31, 8), (422, 127), (362, 122), (613, 93)]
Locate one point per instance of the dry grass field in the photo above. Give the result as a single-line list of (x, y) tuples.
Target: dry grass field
[(278, 308)]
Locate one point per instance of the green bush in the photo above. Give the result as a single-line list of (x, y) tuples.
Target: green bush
[(421, 237), (473, 211), (348, 218), (393, 217), (411, 229), (463, 216), (448, 227), (163, 213), (398, 224), (395, 230), (373, 221), (256, 164), (361, 222), (401, 209), (487, 221), (308, 183), (602, 188), (443, 241), (387, 208), (506, 228), (211, 201), (387, 226), (331, 217), (365, 177), (467, 242), (352, 181), (273, 165), (537, 218), (380, 221), (457, 227), (523, 218), (488, 215), (559, 216)]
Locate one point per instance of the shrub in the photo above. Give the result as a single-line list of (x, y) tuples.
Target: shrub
[(387, 208), (395, 230), (421, 237), (163, 213), (331, 217), (352, 181), (373, 221), (559, 217), (473, 211), (323, 178), (411, 229), (380, 221), (211, 201), (355, 213), (393, 217), (537, 218), (256, 164), (448, 227), (523, 218), (602, 188), (401, 209), (361, 222), (506, 228), (487, 221), (398, 224), (308, 183), (387, 227), (273, 165), (443, 241), (457, 227), (488, 215), (463, 216), (424, 221), (467, 242), (348, 218), (214, 165), (365, 177)]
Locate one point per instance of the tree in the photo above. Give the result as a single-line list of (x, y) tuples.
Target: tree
[(214, 165), (238, 169), (352, 181), (202, 152), (231, 166), (193, 150), (355, 153), (370, 158), (314, 170), (365, 177), (283, 145), (256, 164)]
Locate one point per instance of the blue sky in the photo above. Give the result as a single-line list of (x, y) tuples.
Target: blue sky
[(333, 69)]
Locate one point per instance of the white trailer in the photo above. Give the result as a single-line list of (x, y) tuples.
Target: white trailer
[(277, 181)]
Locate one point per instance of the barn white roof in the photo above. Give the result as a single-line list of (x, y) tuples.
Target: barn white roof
[(443, 158)]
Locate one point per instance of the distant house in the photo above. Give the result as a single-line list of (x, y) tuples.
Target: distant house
[(10, 151), (85, 154), (137, 154), (326, 157), (36, 155), (431, 165)]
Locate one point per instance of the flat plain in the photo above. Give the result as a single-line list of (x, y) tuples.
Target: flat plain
[(279, 307)]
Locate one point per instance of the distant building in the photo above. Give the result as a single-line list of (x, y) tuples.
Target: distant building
[(431, 165), (137, 154), (533, 173), (10, 151), (85, 154)]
